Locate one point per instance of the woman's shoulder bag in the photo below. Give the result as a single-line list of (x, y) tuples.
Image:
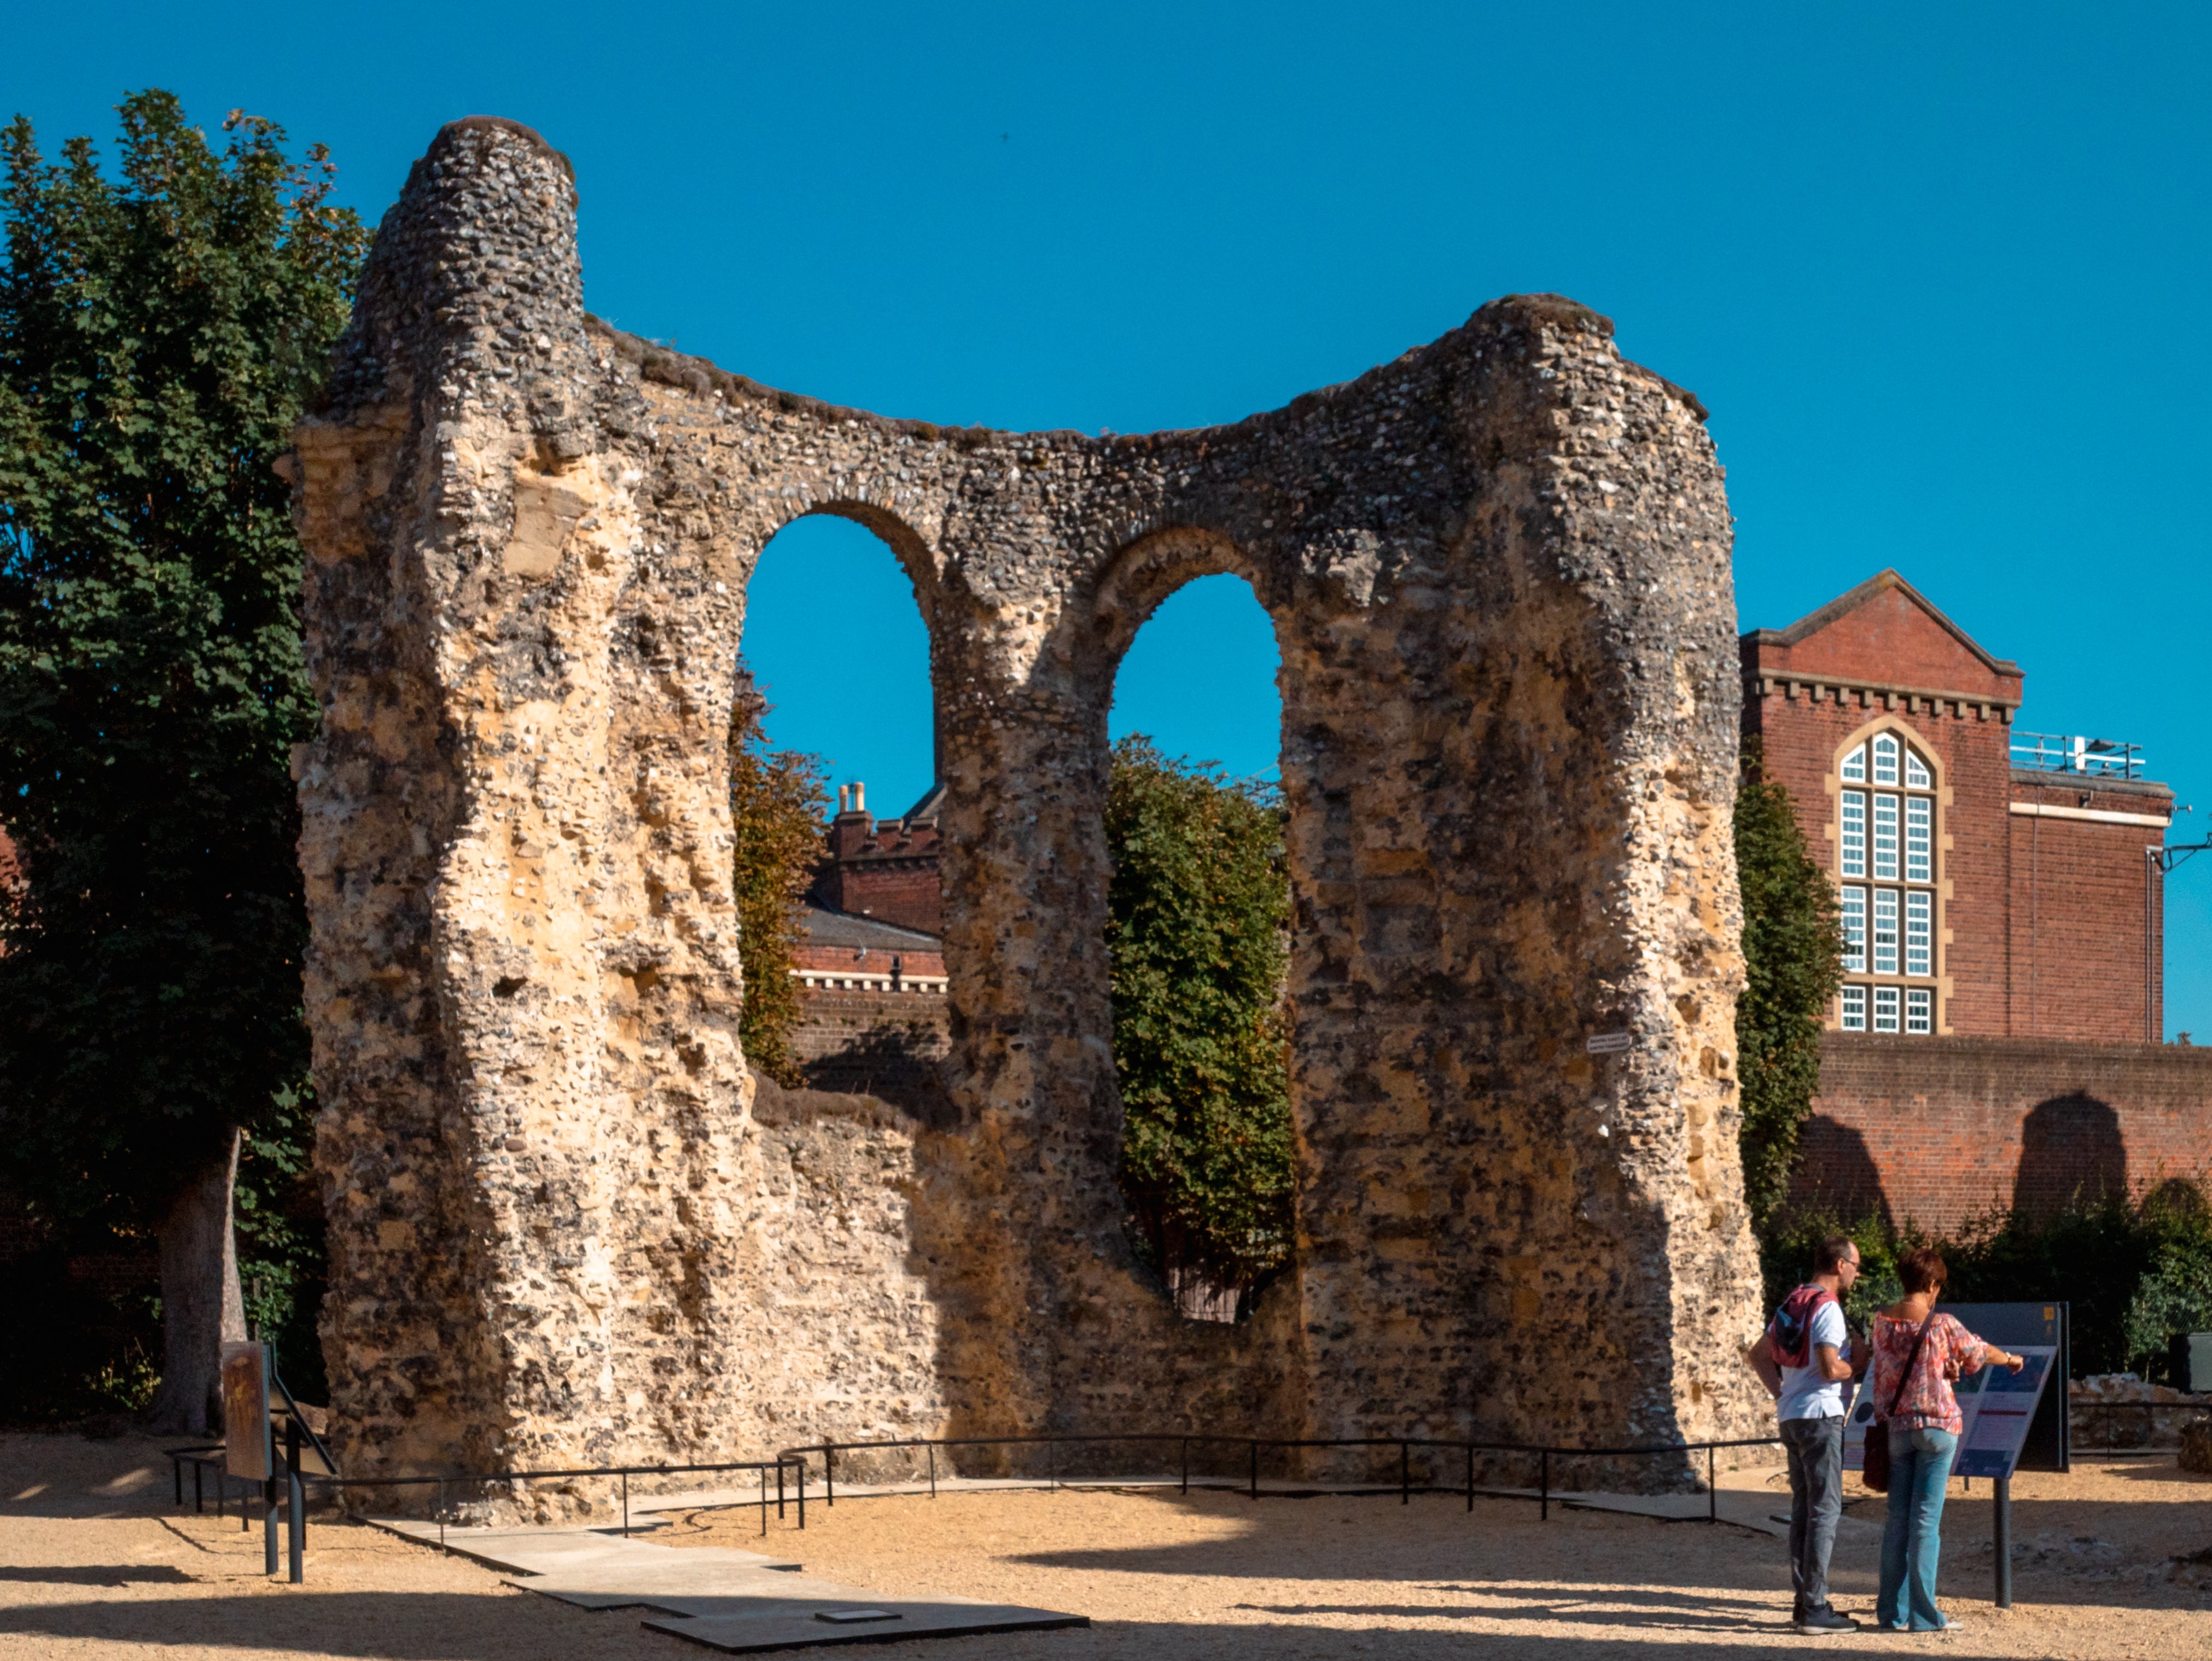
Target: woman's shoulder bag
[(1875, 1468)]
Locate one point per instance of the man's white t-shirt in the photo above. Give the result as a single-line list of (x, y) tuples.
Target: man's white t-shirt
[(1805, 1393)]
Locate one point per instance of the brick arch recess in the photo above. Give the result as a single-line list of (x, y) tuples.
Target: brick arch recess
[(1499, 570)]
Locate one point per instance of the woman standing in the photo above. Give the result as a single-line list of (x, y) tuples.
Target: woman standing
[(1917, 1355)]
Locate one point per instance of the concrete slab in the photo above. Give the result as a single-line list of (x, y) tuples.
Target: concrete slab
[(739, 1601), (881, 1622)]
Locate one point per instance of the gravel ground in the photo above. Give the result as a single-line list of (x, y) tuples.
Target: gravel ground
[(2112, 1560)]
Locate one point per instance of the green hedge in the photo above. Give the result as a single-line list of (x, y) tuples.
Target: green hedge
[(2135, 1273)]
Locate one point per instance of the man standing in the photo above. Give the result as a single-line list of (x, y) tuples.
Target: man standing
[(1803, 1358)]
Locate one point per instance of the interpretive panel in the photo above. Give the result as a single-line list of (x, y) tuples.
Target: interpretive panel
[(246, 1411), (1998, 1405)]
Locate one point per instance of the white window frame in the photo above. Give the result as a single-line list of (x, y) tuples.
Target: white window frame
[(1919, 933), (1885, 838), (1883, 934), (1885, 841), (1854, 858), (1854, 921)]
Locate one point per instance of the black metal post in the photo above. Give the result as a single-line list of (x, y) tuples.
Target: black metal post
[(779, 1490), (1255, 1470), (625, 1482), (1544, 1487), (1712, 1491), (802, 1494), (296, 1501), (1470, 1475), (932, 1471), (764, 1480), (199, 1503), (829, 1473), (268, 1524), (177, 1475), (1405, 1476), (2003, 1540)]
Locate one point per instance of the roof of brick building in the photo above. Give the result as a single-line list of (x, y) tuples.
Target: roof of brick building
[(824, 927)]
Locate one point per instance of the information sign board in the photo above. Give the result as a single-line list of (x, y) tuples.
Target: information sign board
[(2026, 1328), (2027, 1427), (1997, 1405), (245, 1450)]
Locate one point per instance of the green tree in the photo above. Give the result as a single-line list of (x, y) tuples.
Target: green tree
[(777, 799), (1793, 947), (161, 330), (1198, 909)]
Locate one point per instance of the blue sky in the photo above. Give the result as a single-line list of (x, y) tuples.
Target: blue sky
[(1938, 273)]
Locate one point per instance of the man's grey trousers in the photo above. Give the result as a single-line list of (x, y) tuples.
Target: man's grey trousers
[(1816, 1501)]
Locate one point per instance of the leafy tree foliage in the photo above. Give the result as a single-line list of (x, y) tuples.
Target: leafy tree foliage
[(1792, 948), (777, 800), (161, 330), (1199, 907)]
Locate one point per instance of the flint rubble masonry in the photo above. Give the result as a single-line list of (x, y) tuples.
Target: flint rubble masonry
[(1498, 570)]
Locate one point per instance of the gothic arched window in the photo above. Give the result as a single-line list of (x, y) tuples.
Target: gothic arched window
[(1886, 879)]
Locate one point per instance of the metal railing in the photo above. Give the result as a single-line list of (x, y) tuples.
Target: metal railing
[(2059, 752), (293, 1483), (1543, 1454), (794, 1461)]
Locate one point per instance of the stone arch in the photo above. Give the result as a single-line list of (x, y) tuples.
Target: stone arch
[(1498, 569), (1149, 568), (915, 560), (1144, 576)]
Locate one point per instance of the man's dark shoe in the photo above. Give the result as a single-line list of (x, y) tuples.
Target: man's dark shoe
[(1824, 1620)]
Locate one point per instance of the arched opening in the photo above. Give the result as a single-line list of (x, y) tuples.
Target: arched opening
[(835, 809), (1198, 938)]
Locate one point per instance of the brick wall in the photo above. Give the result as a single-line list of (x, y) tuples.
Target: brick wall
[(886, 870), (1801, 735), (2051, 925), (901, 891), (1934, 1129), (2088, 913), (881, 1044)]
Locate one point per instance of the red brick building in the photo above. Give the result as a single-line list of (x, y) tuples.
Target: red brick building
[(871, 960), (2003, 900), (888, 870)]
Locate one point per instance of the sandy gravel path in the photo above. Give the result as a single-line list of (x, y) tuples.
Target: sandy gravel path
[(96, 1564)]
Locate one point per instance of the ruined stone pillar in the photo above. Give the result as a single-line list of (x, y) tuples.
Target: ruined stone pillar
[(560, 1234)]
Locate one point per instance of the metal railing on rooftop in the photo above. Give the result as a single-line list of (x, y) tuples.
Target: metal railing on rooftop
[(2058, 751)]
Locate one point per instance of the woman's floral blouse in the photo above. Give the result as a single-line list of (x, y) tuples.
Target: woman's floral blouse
[(1928, 1404)]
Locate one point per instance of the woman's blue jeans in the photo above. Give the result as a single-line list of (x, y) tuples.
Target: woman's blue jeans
[(1919, 1471)]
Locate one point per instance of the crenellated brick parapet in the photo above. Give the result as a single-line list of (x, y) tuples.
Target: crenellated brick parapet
[(1498, 572)]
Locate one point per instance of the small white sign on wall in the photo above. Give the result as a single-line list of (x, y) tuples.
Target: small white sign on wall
[(1608, 1044)]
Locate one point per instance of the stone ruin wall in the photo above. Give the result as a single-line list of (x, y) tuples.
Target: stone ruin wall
[(563, 1227)]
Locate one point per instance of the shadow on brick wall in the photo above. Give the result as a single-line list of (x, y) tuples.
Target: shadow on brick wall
[(2071, 1152), (1836, 1172), (899, 1064)]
